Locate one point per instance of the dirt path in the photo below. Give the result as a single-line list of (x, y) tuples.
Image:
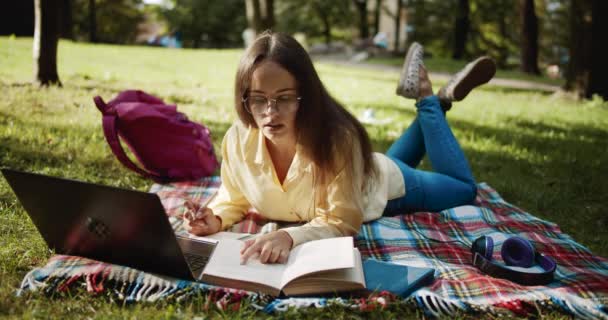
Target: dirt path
[(500, 82)]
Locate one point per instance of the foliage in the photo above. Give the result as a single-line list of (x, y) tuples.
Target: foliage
[(494, 25), (543, 153), (315, 18), (207, 23), (495, 28), (430, 22), (555, 32), (116, 20)]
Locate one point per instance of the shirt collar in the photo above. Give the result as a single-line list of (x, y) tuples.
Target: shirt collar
[(260, 147), (300, 162)]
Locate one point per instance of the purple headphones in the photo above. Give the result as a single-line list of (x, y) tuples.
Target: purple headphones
[(518, 252)]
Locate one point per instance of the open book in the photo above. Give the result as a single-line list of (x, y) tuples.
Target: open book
[(321, 266)]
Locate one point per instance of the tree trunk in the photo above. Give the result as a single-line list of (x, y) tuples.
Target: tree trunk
[(92, 21), (598, 75), (529, 37), (377, 16), (398, 25), (362, 10), (66, 20), (503, 50), (326, 23), (256, 16), (579, 66), (461, 30), (326, 30), (46, 37), (269, 14)]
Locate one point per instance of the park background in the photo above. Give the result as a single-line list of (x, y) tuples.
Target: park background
[(537, 134)]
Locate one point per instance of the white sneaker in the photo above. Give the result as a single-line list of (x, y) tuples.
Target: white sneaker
[(408, 82), (472, 75)]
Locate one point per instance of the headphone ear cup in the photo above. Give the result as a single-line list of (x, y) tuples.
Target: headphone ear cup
[(484, 246), (519, 252)]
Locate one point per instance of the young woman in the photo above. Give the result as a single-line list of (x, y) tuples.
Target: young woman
[(297, 155)]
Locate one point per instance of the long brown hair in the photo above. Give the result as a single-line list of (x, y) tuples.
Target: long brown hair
[(324, 127)]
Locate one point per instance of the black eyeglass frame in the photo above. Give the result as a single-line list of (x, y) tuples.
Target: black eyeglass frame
[(268, 105)]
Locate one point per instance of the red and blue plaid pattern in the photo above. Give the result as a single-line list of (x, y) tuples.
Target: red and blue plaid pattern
[(438, 240)]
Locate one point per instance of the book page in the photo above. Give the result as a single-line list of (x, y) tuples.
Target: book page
[(226, 263), (222, 235), (319, 255), (329, 281)]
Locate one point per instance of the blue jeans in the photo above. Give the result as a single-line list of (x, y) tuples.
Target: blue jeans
[(450, 184)]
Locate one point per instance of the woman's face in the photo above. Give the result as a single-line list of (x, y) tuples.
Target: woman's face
[(272, 85)]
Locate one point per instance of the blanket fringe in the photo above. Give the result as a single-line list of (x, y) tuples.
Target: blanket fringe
[(30, 283), (436, 306), (579, 307), (131, 285)]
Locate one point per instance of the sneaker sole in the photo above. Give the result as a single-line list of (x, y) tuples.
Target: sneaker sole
[(478, 73), (404, 71)]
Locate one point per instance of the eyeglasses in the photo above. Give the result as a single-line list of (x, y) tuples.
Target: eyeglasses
[(260, 104)]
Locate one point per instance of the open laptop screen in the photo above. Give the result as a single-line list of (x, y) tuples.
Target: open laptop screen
[(104, 223)]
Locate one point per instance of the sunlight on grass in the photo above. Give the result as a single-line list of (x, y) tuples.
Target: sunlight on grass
[(544, 153)]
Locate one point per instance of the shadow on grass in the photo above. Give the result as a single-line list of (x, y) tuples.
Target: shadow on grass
[(550, 171), (558, 177), (504, 89), (43, 155)]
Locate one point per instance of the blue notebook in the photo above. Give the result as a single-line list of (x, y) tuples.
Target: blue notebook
[(395, 278)]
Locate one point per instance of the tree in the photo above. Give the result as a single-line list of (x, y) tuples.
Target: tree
[(529, 37), (66, 20), (260, 14), (377, 16), (92, 21), (46, 37), (586, 74), (432, 23), (461, 29), (398, 24), (107, 21), (361, 6), (208, 23), (316, 17), (598, 82), (17, 17), (493, 30)]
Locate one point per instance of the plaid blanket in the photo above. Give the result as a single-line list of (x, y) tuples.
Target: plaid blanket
[(580, 288)]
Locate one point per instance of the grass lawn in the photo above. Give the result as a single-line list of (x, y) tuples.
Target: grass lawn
[(545, 154)]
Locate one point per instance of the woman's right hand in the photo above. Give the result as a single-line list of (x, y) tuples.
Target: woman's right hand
[(201, 222)]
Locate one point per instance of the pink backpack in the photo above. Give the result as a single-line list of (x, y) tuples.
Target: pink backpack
[(166, 143)]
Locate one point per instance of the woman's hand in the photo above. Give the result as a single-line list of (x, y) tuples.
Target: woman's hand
[(272, 247), (201, 222)]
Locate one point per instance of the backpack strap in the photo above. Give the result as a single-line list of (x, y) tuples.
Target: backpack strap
[(111, 134)]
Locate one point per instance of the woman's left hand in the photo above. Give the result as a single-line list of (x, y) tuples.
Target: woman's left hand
[(273, 247)]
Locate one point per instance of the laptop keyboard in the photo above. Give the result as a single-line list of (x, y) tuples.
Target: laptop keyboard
[(196, 262)]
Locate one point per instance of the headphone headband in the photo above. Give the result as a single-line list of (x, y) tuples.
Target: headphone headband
[(524, 278), (482, 259)]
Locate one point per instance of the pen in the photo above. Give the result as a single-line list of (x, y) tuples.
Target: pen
[(194, 213)]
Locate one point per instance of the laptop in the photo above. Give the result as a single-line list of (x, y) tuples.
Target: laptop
[(108, 224)]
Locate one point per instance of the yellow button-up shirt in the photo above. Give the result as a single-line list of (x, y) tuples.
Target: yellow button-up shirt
[(250, 180)]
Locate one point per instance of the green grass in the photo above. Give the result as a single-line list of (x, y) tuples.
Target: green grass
[(543, 153), (447, 65)]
